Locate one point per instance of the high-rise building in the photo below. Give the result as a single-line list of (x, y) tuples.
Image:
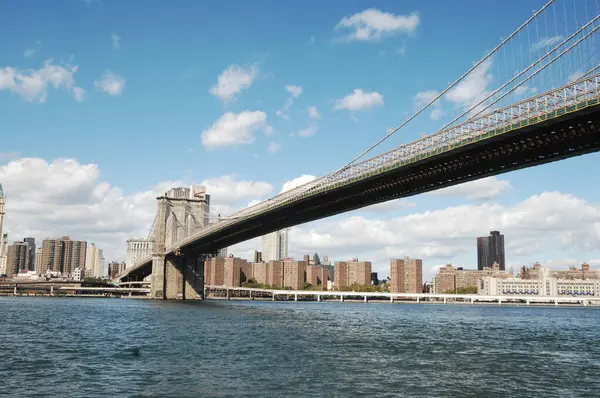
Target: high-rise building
[(114, 268), (95, 262), (53, 254), (317, 275), (257, 256), (38, 260), (230, 271), (348, 273), (293, 273), (490, 250), (275, 246), (63, 255), (3, 236), (259, 272), (222, 253), (138, 249), (234, 269), (374, 279), (31, 259), (17, 258), (214, 271), (406, 275), (275, 273), (75, 252)]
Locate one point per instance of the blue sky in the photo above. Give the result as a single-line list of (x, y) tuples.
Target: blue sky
[(146, 128)]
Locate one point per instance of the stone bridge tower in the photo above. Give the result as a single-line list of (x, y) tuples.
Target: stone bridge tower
[(180, 213)]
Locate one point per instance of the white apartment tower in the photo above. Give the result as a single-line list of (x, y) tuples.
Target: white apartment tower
[(94, 262), (3, 238), (275, 246)]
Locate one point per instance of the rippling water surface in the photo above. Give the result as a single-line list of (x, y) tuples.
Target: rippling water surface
[(110, 347)]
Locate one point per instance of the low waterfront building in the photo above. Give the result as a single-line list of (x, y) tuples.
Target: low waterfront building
[(572, 273), (546, 284), (78, 274), (453, 280)]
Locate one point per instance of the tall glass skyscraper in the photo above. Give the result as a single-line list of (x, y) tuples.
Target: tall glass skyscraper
[(490, 250)]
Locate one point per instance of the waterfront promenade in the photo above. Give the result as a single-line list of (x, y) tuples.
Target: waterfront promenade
[(311, 295)]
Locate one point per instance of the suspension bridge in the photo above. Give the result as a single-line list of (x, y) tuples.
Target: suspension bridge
[(533, 99)]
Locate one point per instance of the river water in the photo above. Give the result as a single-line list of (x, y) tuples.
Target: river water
[(78, 347)]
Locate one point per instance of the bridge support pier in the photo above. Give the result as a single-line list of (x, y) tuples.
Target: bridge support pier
[(177, 277)]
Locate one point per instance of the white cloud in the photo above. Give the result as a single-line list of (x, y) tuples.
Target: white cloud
[(547, 43), (294, 91), (307, 132), (524, 91), (296, 182), (273, 147), (372, 24), (116, 41), (422, 98), (79, 94), (228, 190), (482, 189), (232, 81), (111, 83), (282, 115), (313, 113), (436, 113), (532, 227), (69, 198), (359, 100), (33, 84), (473, 89), (402, 49), (235, 129), (28, 53)]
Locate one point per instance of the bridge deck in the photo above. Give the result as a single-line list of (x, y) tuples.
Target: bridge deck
[(524, 133)]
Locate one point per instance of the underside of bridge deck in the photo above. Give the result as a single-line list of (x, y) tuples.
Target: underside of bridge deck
[(552, 140)]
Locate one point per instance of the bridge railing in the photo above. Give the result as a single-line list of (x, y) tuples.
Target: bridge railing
[(568, 98)]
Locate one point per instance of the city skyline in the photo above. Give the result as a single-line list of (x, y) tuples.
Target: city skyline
[(109, 199)]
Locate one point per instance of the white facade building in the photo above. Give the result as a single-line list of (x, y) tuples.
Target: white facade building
[(78, 274), (94, 262), (138, 249), (274, 246), (222, 253), (546, 285)]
